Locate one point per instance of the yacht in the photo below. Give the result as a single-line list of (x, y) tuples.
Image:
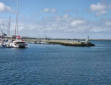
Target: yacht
[(18, 43)]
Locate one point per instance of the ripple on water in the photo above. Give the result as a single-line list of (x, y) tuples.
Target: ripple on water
[(56, 65)]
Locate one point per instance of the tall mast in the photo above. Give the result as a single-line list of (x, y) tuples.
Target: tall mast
[(9, 24), (1, 29), (16, 26)]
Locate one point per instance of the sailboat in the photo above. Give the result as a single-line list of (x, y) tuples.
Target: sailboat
[(2, 36), (18, 42)]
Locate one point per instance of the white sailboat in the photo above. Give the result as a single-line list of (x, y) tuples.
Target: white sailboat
[(18, 42)]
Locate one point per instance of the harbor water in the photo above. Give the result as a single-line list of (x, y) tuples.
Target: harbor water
[(56, 65)]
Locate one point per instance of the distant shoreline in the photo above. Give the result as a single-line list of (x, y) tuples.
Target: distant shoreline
[(65, 38), (61, 38)]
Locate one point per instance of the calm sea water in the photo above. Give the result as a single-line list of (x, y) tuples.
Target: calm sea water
[(56, 65)]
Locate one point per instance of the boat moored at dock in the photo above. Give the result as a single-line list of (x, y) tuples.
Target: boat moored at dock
[(18, 43)]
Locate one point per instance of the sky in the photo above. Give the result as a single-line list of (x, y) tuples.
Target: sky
[(58, 18)]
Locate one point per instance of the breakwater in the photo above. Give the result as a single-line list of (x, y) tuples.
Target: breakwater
[(70, 43), (65, 42)]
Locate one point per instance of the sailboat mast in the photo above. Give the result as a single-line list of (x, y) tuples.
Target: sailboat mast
[(16, 26), (9, 24)]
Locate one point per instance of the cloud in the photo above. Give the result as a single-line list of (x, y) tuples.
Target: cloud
[(108, 23), (66, 16), (49, 10), (99, 8), (64, 27), (4, 7), (70, 27), (77, 22)]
